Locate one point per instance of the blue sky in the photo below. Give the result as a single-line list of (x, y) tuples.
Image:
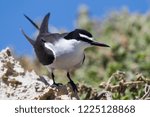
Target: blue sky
[(63, 15)]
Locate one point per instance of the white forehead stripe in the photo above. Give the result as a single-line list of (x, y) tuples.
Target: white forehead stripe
[(85, 36)]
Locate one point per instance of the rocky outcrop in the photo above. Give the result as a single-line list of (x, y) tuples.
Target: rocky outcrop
[(16, 83)]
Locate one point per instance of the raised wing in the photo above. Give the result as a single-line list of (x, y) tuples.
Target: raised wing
[(44, 25)]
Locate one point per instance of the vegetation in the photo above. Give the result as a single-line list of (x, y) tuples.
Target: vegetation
[(123, 65)]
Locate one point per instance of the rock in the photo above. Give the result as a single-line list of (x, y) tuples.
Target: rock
[(18, 84)]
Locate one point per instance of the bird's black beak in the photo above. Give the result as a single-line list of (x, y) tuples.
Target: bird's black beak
[(99, 44)]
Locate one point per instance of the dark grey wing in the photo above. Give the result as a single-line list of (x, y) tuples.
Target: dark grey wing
[(32, 42), (49, 55), (45, 55), (44, 25)]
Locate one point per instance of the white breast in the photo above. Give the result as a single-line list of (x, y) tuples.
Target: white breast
[(69, 55)]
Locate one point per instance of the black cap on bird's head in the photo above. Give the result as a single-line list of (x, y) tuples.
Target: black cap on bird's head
[(42, 29), (84, 36)]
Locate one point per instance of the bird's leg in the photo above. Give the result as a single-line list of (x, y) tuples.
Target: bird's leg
[(53, 78), (74, 87)]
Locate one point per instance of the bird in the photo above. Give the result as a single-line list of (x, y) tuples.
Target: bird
[(64, 51)]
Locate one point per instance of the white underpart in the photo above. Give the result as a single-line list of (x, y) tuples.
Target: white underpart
[(69, 54), (85, 36)]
